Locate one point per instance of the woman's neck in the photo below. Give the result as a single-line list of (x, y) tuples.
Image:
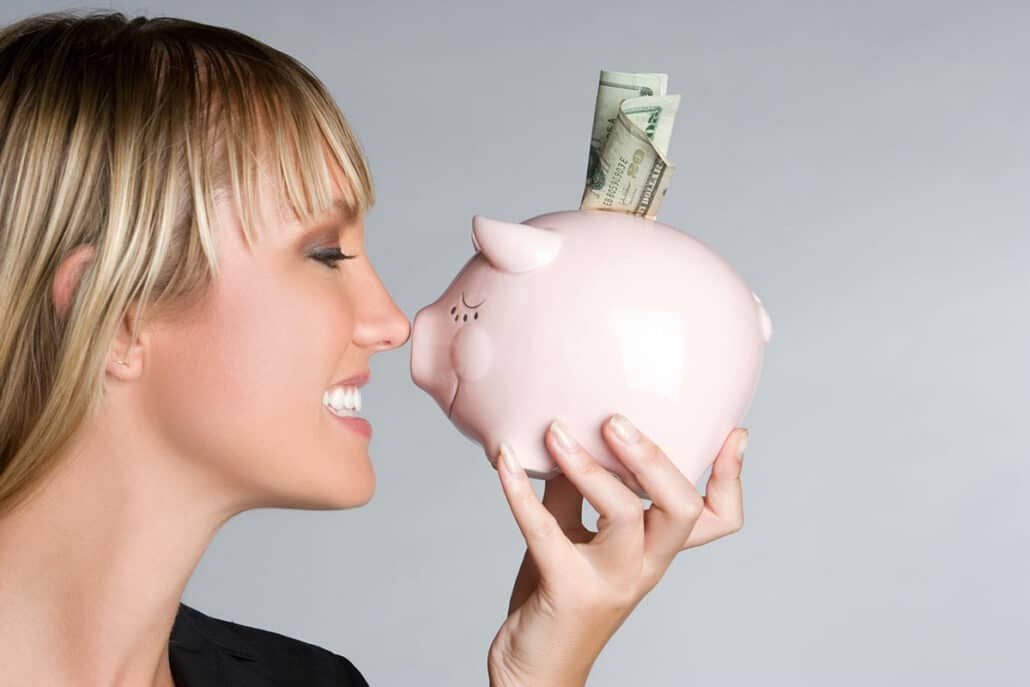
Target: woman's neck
[(94, 564)]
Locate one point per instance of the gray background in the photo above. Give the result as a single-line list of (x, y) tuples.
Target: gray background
[(864, 166)]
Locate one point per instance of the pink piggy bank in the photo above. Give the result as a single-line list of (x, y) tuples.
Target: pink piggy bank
[(583, 314)]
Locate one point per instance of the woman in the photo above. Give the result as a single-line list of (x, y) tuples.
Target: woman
[(177, 202)]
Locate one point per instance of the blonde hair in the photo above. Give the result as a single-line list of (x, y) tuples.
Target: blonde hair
[(118, 134)]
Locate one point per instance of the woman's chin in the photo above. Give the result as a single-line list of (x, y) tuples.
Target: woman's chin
[(348, 488), (331, 476)]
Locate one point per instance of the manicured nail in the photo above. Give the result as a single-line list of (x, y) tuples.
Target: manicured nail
[(624, 429), (561, 432), (742, 446), (508, 460)]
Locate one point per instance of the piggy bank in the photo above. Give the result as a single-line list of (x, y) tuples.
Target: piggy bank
[(582, 314)]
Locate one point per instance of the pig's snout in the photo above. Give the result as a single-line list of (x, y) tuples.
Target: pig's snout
[(423, 341), (445, 354)]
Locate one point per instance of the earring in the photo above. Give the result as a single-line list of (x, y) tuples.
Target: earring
[(122, 362)]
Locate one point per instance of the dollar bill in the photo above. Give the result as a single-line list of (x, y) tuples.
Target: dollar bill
[(628, 168), (612, 89)]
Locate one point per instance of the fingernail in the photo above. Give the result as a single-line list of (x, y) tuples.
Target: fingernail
[(742, 446), (561, 432), (508, 459), (624, 429)]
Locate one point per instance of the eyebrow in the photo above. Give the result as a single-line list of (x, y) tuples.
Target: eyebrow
[(333, 226)]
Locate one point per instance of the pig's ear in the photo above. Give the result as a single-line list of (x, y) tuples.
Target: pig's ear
[(513, 247)]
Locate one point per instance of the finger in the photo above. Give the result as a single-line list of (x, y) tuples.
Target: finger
[(724, 497), (675, 502), (547, 544), (621, 512), (565, 502)]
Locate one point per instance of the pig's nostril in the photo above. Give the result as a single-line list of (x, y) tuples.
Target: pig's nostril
[(453, 309), (466, 318), (476, 316)]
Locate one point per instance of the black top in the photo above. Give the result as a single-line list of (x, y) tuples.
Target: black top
[(208, 652)]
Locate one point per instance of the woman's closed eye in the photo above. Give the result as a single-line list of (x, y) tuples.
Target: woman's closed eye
[(329, 257)]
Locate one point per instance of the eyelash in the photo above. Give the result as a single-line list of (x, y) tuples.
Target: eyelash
[(331, 257)]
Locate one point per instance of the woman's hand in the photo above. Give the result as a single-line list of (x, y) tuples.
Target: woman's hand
[(575, 587)]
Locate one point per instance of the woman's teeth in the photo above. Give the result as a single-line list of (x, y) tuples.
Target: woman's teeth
[(345, 401)]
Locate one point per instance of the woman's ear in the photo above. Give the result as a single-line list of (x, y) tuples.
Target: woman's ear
[(66, 281), (125, 358)]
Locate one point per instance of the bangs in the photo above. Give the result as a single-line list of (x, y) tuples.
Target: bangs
[(269, 116)]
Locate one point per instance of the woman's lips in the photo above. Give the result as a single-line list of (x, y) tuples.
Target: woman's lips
[(356, 380)]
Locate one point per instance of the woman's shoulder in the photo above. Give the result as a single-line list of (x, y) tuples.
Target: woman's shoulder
[(211, 651)]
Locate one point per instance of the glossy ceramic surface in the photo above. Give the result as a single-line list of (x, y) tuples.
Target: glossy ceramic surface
[(582, 314)]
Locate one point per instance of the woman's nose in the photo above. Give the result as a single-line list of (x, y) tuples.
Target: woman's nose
[(381, 322), (399, 329)]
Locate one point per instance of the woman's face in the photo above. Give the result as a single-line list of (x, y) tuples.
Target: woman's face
[(235, 386)]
